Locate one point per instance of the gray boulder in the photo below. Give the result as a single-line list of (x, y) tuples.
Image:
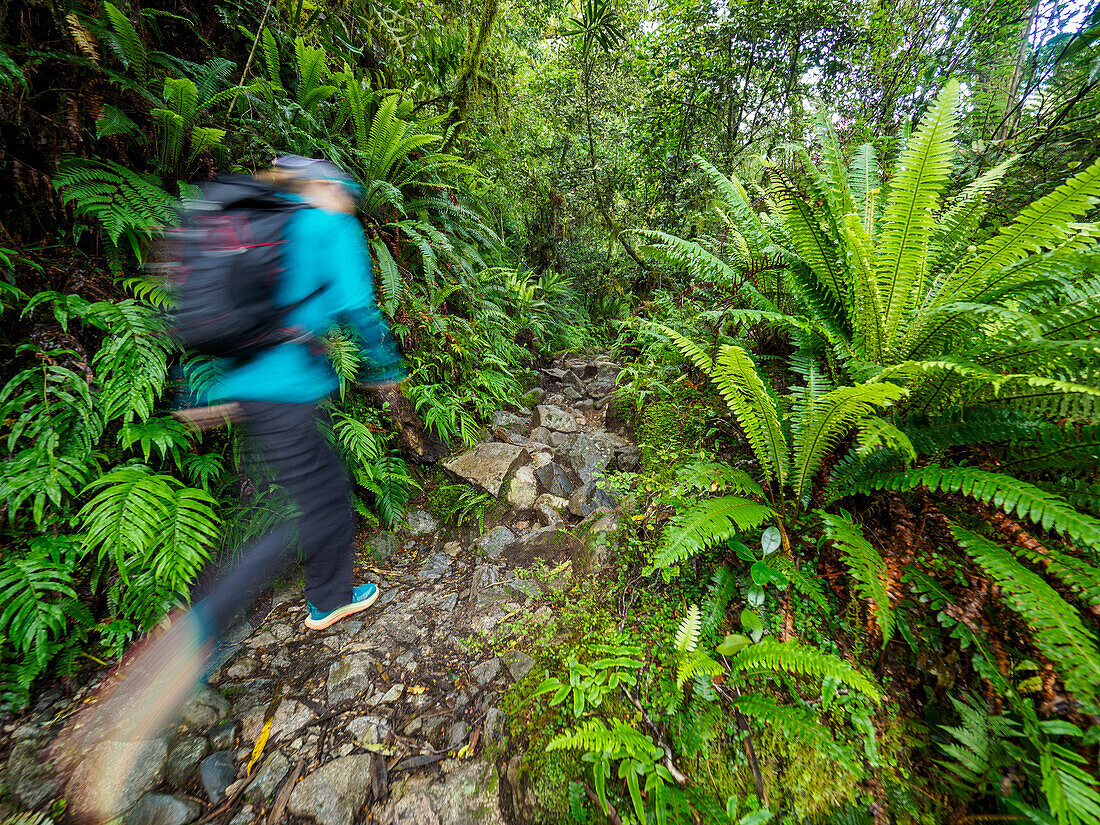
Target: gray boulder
[(206, 709), (487, 465), (270, 774), (183, 759), (553, 479), (589, 498), (523, 488), (553, 417), (349, 677), (588, 456), (217, 772), (29, 779), (421, 522), (492, 544), (335, 792), (510, 422), (162, 809)]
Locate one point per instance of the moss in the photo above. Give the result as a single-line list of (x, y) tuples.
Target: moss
[(666, 427)]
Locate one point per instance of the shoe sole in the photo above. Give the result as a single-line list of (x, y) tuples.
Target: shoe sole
[(341, 613)]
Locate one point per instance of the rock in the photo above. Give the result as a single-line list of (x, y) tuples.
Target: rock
[(560, 439), (452, 548), (162, 809), (206, 709), (518, 663), (487, 465), (540, 459), (628, 459), (581, 368), (588, 456), (435, 567), (602, 386), (183, 759), (493, 726), (449, 604), (349, 677), (589, 498), (368, 730), (555, 418), (482, 583), (553, 479), (392, 695), (535, 396), (147, 758), (557, 502), (492, 544), (555, 373), (523, 488), (289, 718), (29, 779), (270, 774), (382, 545), (245, 816), (222, 737), (217, 771), (335, 792), (510, 422), (542, 542), (540, 435), (547, 515), (485, 672), (464, 794), (594, 549), (421, 522), (261, 640), (457, 735), (572, 394)]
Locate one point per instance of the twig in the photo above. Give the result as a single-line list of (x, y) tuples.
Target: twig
[(283, 796), (609, 811), (251, 54)]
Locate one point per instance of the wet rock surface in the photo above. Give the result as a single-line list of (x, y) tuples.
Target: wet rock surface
[(384, 717)]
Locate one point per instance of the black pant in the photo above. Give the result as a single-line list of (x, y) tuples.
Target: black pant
[(285, 437)]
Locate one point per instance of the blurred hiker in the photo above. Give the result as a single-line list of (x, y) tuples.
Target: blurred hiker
[(269, 265)]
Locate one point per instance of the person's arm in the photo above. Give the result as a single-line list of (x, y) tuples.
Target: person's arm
[(352, 300)]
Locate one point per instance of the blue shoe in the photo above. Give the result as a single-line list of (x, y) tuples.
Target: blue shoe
[(362, 597)]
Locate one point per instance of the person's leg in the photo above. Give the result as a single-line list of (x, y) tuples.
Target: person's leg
[(286, 438)]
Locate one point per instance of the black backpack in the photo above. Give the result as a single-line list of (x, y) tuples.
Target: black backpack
[(232, 254)]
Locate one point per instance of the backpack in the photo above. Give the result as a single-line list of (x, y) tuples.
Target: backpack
[(227, 270)]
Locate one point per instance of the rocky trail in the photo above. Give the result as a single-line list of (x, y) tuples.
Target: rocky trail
[(393, 715)]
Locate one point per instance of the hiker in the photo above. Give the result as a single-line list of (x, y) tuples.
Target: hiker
[(276, 393)]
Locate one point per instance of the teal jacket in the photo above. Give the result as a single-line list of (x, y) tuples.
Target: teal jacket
[(324, 249)]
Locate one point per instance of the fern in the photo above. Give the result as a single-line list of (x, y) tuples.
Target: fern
[(1010, 494), (126, 43), (771, 656), (798, 724), (982, 746), (867, 568), (707, 524), (1057, 627), (126, 204)]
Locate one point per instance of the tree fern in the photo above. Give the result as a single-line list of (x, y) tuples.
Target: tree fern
[(771, 656), (982, 746), (866, 567), (1057, 628)]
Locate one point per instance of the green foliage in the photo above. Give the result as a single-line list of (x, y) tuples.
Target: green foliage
[(127, 204), (866, 567), (1057, 628)]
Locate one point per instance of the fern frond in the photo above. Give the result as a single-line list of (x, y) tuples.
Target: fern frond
[(919, 175), (687, 635), (771, 656), (1010, 494), (829, 418), (1057, 627), (866, 567), (694, 665), (706, 524), (796, 723), (126, 43), (865, 181)]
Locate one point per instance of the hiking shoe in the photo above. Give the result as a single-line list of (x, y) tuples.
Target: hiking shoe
[(362, 597)]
